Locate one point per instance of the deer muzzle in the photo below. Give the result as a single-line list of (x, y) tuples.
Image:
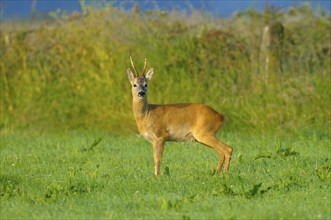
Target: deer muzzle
[(141, 94)]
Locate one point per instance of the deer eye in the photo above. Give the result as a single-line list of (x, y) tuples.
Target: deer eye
[(134, 85), (145, 85)]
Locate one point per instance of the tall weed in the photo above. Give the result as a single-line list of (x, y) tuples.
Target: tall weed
[(71, 73)]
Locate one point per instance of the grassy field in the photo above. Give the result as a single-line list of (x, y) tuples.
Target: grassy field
[(68, 140), (99, 175)]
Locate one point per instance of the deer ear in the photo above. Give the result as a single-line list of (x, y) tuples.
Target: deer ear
[(130, 75), (149, 74)]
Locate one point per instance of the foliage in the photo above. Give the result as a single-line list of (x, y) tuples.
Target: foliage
[(71, 73), (64, 81)]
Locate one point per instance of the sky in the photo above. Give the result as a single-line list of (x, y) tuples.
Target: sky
[(225, 8)]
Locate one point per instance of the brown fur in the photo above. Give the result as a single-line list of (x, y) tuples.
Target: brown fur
[(176, 122)]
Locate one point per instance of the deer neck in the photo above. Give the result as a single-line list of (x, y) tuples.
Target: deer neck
[(140, 108)]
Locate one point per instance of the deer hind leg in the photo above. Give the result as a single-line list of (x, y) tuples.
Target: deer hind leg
[(221, 162), (157, 151), (222, 149)]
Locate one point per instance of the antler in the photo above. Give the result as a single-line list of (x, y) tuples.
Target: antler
[(134, 68), (145, 65)]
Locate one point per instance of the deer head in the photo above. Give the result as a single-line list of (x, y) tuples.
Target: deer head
[(139, 83)]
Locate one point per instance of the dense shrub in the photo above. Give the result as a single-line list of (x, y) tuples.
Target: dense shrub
[(71, 73)]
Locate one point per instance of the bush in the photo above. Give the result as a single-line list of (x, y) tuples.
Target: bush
[(71, 73)]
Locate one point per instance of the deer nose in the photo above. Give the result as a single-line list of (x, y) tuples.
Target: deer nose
[(141, 93)]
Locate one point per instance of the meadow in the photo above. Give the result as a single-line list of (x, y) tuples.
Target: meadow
[(69, 145), (97, 175)]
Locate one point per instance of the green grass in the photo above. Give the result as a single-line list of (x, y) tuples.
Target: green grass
[(100, 175), (62, 78)]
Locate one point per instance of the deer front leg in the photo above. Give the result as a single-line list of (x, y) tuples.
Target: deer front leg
[(157, 150)]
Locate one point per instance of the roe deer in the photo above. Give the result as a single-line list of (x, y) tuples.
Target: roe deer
[(175, 122)]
